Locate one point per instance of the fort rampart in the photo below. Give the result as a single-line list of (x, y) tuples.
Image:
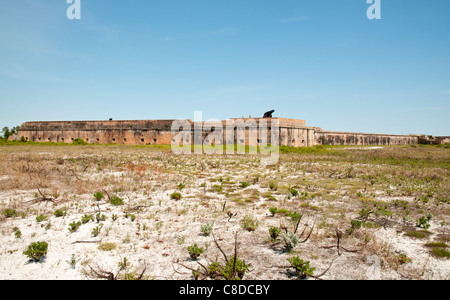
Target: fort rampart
[(292, 132)]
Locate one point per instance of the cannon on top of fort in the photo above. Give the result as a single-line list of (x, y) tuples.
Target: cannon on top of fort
[(269, 114)]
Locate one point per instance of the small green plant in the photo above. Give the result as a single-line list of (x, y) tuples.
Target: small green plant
[(9, 212), (424, 221), (79, 142), (293, 192), (194, 251), (207, 228), (96, 231), (235, 269), (114, 217), (273, 210), (274, 233), (100, 217), (98, 196), (36, 251), (123, 264), (355, 224), (402, 258), (181, 186), (59, 213), (364, 213), (249, 223), (290, 241), (273, 186), (72, 261), (295, 216), (418, 234), (244, 184), (301, 267), (74, 226), (116, 201), (40, 218), (18, 234), (86, 218), (441, 252), (175, 196)]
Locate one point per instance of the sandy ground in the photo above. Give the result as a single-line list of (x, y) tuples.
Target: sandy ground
[(158, 238)]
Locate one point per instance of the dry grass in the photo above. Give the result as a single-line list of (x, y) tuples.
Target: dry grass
[(386, 190)]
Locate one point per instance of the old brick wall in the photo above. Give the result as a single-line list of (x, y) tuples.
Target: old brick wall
[(141, 132)]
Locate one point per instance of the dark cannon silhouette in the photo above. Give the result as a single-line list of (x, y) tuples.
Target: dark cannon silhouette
[(269, 114)]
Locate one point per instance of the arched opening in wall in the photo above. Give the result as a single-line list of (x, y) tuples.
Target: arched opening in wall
[(26, 138), (303, 143), (87, 140), (62, 139), (49, 139), (154, 141), (98, 140), (113, 139), (142, 140), (124, 140)]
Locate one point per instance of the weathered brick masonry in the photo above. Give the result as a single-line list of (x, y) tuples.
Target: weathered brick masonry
[(292, 132)]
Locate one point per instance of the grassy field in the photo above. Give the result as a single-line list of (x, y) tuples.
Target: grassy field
[(141, 212)]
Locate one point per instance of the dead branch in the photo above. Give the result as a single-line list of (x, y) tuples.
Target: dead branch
[(338, 244)]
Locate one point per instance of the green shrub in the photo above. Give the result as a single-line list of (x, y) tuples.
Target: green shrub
[(301, 267), (273, 186), (98, 196), (244, 184), (60, 213), (441, 252), (96, 231), (100, 217), (418, 234), (116, 201), (293, 192), (194, 251), (9, 212), (131, 216), (249, 223), (207, 229), (40, 218), (290, 241), (423, 221), (18, 234), (235, 269), (175, 196), (74, 226), (295, 216), (86, 218), (273, 210), (274, 232), (79, 142), (36, 251)]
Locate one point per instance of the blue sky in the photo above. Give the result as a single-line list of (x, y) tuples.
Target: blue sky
[(322, 61)]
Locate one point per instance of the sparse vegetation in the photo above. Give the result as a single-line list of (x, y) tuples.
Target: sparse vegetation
[(318, 202), (195, 251), (175, 196), (207, 229), (36, 251)]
